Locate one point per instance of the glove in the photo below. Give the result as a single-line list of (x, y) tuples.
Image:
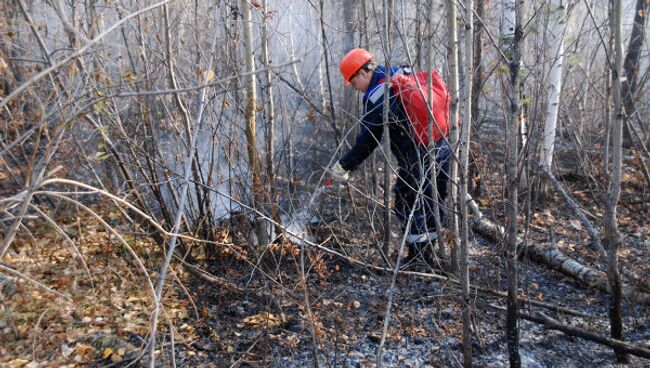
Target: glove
[(339, 173)]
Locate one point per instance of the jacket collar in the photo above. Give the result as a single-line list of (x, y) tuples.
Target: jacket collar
[(378, 78)]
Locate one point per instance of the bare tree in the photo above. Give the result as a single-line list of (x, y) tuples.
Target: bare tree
[(612, 235), (511, 43), (454, 92), (464, 144), (558, 16), (270, 98), (251, 129), (631, 64)]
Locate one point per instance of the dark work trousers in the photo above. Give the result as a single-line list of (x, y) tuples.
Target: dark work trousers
[(413, 164)]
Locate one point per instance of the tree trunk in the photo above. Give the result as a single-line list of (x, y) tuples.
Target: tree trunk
[(330, 108), (631, 64), (612, 235), (250, 114), (432, 152), (454, 92), (477, 89), (512, 33), (387, 7), (464, 172), (270, 103), (555, 36)]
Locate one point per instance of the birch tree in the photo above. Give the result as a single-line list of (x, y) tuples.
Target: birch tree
[(270, 105), (250, 86), (558, 15), (387, 11), (388, 6), (512, 34), (432, 144), (454, 91), (631, 63), (612, 234)]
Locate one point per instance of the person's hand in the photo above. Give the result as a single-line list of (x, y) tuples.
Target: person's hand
[(339, 173)]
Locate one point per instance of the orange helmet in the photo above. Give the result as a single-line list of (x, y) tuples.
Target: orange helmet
[(352, 62)]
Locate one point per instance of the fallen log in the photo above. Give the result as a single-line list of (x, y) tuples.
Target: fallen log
[(551, 257), (554, 324), (586, 334)]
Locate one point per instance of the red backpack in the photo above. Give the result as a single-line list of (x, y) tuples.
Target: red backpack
[(405, 87)]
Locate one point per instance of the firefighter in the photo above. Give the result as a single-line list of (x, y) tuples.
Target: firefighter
[(364, 75)]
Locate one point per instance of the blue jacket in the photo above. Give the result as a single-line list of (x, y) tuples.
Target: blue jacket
[(372, 124)]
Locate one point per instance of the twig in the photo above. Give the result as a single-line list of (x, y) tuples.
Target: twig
[(173, 346), (36, 328), (76, 54), (108, 227), (189, 160), (593, 232), (75, 250), (21, 275), (235, 364)]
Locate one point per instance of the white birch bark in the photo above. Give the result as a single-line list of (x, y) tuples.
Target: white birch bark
[(250, 85), (508, 22), (453, 70), (454, 91), (555, 35)]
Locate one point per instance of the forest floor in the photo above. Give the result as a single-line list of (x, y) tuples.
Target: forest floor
[(273, 317)]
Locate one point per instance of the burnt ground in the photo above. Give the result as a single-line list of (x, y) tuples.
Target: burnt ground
[(347, 302), (276, 318)]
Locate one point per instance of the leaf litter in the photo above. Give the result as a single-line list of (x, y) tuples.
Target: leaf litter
[(108, 318)]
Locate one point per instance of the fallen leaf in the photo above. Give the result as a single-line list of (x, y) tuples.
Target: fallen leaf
[(262, 319), (3, 64), (17, 363), (83, 349), (107, 353), (207, 75), (291, 341), (576, 224)]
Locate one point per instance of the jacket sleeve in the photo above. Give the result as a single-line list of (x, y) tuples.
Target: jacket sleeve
[(372, 129)]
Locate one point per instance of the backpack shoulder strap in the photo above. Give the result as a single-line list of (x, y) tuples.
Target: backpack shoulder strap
[(378, 90)]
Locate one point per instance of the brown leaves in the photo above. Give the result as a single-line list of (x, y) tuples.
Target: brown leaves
[(264, 319), (116, 304), (3, 65), (17, 363), (206, 75)]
